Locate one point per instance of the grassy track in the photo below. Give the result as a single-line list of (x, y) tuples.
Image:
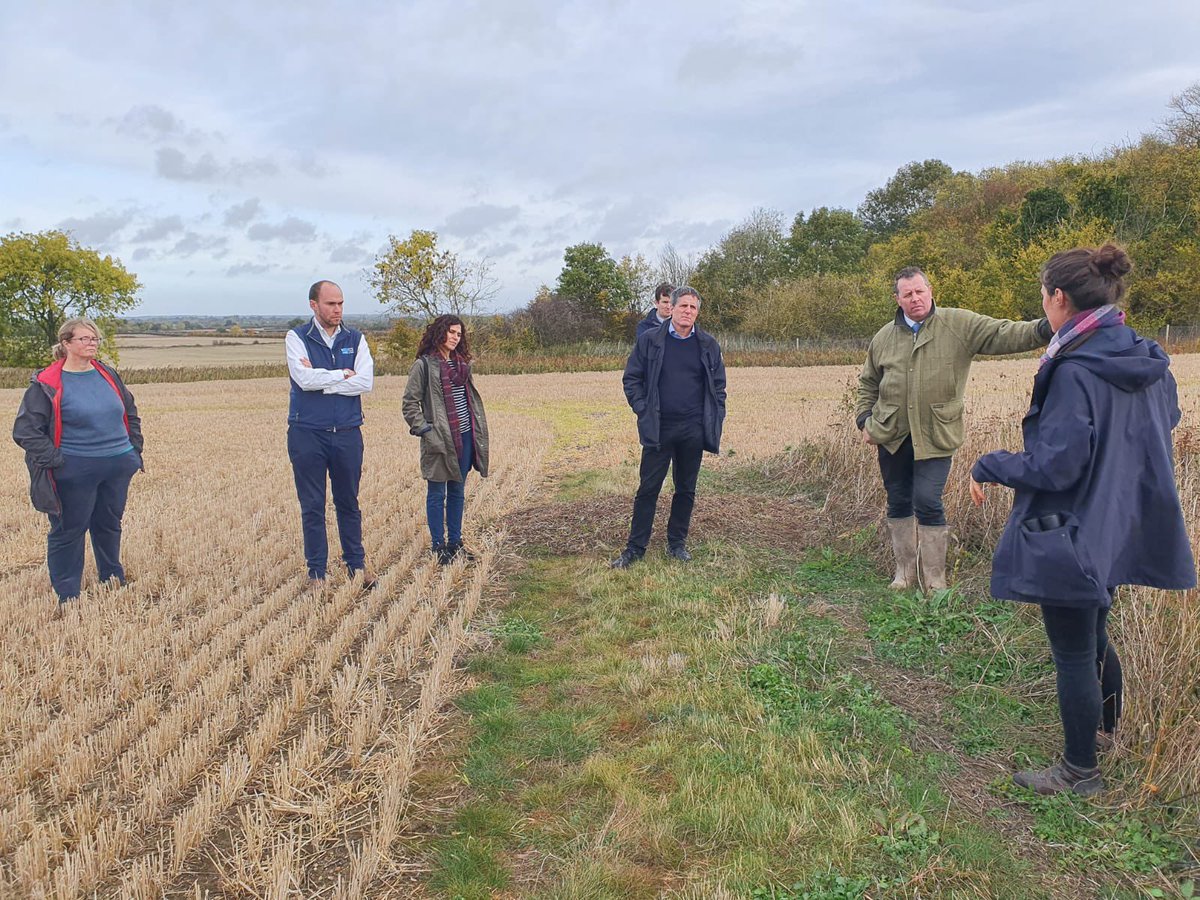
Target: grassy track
[(765, 723)]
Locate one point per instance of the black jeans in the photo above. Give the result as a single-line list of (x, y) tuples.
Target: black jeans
[(1089, 677), (914, 486), (681, 448)]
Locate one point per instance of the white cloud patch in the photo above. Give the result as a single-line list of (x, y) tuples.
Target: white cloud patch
[(476, 219)]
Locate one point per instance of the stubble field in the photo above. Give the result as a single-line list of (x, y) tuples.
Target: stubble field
[(212, 727)]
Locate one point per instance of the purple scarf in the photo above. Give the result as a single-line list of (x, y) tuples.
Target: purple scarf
[(454, 376), (1079, 325)]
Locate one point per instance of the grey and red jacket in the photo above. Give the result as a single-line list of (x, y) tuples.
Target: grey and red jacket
[(38, 429)]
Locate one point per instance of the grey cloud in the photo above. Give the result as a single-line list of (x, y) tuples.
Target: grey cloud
[(720, 62), (150, 122), (291, 230), (475, 219), (349, 251), (99, 228), (247, 268), (171, 163), (143, 253), (503, 249), (158, 229), (243, 213), (194, 242)]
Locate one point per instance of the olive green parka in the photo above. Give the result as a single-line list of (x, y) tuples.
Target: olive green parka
[(914, 383), (425, 404)]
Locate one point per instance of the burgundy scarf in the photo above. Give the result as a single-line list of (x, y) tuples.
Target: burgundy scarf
[(455, 376)]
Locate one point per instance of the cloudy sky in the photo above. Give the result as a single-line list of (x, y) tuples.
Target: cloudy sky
[(231, 153)]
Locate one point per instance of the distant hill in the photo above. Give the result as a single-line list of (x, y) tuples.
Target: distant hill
[(243, 324)]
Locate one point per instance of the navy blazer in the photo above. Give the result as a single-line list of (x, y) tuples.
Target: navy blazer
[(1096, 503)]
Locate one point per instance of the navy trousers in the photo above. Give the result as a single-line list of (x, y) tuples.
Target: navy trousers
[(338, 455), (92, 491), (444, 500), (681, 449), (914, 486)]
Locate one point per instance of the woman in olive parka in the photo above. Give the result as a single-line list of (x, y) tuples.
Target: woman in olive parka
[(443, 407)]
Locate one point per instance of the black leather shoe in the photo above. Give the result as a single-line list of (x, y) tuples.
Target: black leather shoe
[(679, 553), (625, 560), (442, 554), (458, 551)]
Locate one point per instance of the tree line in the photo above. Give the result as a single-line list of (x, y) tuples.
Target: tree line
[(824, 274)]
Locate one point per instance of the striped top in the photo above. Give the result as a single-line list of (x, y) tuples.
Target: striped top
[(461, 408)]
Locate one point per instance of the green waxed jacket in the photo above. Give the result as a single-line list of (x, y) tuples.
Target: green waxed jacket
[(913, 384), (424, 405)]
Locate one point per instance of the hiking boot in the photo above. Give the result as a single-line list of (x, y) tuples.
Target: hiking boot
[(1062, 777), (904, 548), (1105, 741), (931, 556), (680, 554), (625, 560)]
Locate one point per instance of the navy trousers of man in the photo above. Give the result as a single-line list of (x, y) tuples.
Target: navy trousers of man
[(338, 455), (92, 491), (914, 486), (681, 448)]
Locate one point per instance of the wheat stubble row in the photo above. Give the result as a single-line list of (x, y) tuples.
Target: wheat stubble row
[(143, 734)]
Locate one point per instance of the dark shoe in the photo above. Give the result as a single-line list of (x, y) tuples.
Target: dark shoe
[(458, 551), (1060, 778), (625, 560), (1105, 741), (369, 581), (442, 553), (679, 553), (315, 585)]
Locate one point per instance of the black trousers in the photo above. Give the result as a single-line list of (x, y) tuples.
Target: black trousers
[(914, 486), (681, 449), (1089, 678)]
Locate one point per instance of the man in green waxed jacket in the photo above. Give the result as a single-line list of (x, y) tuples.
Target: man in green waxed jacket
[(910, 405)]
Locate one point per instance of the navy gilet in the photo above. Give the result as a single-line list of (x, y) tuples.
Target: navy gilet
[(316, 410)]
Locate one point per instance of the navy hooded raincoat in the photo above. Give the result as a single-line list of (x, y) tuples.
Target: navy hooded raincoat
[(1096, 504)]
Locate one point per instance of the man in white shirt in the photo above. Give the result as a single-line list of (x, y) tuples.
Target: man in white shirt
[(330, 366)]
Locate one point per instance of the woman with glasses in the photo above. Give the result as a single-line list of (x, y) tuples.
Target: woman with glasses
[(82, 438)]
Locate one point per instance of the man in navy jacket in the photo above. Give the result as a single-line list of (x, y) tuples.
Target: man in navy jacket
[(660, 312), (331, 368), (675, 382)]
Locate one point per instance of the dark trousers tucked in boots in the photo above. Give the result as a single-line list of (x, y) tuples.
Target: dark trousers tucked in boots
[(681, 449), (92, 491)]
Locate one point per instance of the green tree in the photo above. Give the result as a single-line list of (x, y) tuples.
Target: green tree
[(1042, 209), (640, 281), (412, 277), (47, 278), (913, 188), (732, 275), (595, 281), (829, 241)]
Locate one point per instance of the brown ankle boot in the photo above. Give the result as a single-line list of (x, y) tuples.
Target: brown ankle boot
[(1061, 777), (904, 548)]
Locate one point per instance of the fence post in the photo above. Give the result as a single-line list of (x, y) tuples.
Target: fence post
[(1167, 339)]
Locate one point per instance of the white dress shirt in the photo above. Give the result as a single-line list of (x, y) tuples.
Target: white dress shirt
[(329, 381)]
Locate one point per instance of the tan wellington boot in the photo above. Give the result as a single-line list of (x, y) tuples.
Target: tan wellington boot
[(932, 540), (904, 548)]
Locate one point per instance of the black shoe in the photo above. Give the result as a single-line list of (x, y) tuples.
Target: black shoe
[(679, 553), (458, 551), (625, 560), (442, 553)]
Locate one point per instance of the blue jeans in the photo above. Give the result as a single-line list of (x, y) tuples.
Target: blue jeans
[(92, 491), (444, 500), (314, 454)]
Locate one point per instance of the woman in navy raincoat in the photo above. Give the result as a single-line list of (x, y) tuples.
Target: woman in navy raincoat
[(1096, 504)]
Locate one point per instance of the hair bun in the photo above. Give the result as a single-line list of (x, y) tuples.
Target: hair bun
[(1111, 261)]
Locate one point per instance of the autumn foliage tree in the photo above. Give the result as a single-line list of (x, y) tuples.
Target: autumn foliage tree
[(47, 278)]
